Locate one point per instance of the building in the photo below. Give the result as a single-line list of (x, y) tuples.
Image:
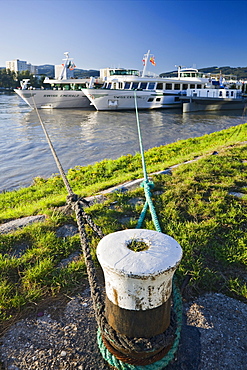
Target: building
[(17, 65)]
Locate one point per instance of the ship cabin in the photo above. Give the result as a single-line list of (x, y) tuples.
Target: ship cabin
[(130, 79), (189, 73), (152, 85)]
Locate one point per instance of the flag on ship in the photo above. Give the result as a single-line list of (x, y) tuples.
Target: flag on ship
[(150, 57), (152, 61), (71, 66)]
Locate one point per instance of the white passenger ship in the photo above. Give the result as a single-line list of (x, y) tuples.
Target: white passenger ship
[(151, 92), (215, 99), (62, 92)]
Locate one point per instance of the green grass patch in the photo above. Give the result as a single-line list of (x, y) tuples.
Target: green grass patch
[(194, 206)]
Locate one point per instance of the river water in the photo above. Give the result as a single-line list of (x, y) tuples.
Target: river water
[(82, 137)]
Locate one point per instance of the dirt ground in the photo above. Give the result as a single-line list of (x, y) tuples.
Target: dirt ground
[(62, 335)]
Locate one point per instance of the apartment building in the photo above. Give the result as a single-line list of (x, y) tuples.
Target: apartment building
[(17, 65)]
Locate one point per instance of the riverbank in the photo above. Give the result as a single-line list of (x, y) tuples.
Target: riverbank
[(202, 204)]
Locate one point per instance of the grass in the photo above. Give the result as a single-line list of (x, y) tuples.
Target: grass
[(194, 206)]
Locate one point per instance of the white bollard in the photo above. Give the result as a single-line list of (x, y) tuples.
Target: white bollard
[(138, 284)]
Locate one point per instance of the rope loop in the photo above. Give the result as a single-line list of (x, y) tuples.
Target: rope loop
[(71, 198), (148, 183)]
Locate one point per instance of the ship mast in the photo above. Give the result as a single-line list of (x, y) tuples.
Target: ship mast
[(64, 66), (145, 62)]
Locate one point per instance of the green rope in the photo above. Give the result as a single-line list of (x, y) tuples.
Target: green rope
[(158, 365), (147, 189), (140, 142), (146, 184), (177, 299)]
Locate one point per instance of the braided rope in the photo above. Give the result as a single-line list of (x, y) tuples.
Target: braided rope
[(130, 344), (148, 185)]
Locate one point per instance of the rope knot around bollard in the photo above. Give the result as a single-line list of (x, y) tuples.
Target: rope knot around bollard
[(140, 304), (161, 358)]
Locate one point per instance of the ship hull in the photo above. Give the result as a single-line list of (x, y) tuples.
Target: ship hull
[(54, 98), (126, 100)]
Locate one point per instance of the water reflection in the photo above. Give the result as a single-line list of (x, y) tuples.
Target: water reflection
[(82, 137)]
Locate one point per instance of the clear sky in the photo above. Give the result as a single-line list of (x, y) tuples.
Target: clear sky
[(100, 34)]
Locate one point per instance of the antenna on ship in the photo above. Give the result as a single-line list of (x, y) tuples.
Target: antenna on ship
[(179, 70)]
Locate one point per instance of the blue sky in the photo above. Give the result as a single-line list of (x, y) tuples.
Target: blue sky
[(100, 34)]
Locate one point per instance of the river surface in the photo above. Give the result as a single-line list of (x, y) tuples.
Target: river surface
[(82, 137)]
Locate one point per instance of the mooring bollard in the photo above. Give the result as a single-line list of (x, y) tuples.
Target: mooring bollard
[(138, 266)]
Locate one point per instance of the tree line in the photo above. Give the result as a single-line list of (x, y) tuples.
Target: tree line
[(11, 80)]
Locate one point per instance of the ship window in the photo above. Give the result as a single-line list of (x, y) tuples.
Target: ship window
[(159, 86), (120, 85), (151, 85), (227, 93), (220, 93), (185, 86), (176, 86), (127, 85), (135, 85), (150, 100), (231, 93), (192, 86), (199, 86), (168, 86), (143, 85), (109, 85), (158, 99)]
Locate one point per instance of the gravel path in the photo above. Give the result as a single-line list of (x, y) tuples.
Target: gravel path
[(213, 337)]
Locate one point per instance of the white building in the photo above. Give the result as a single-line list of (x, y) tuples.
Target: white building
[(17, 65)]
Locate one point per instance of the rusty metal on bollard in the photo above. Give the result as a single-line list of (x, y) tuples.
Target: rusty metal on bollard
[(138, 267)]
